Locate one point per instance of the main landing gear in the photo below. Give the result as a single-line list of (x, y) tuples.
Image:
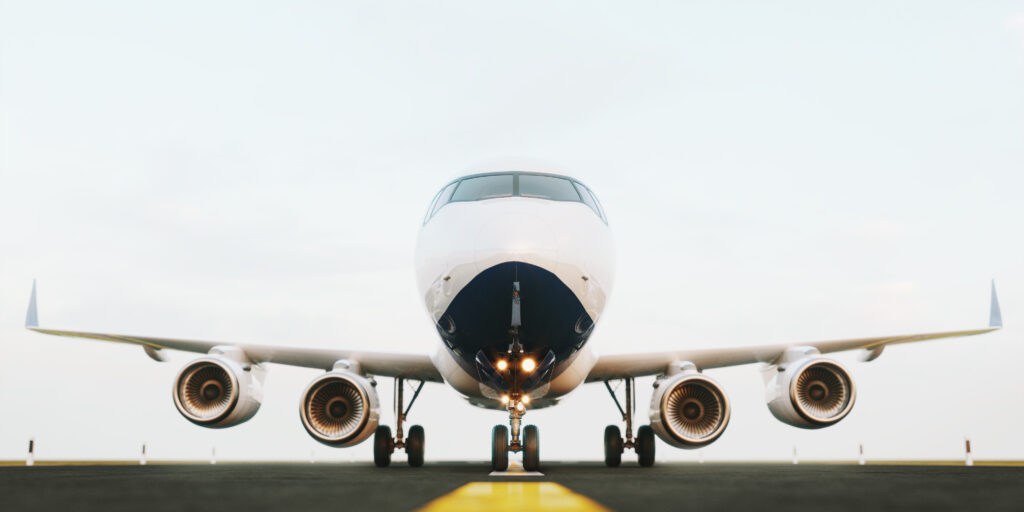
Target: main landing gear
[(614, 444), (384, 445)]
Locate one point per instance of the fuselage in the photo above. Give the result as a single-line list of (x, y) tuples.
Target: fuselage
[(485, 233)]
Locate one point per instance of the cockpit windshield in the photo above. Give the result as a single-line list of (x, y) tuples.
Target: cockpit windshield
[(547, 187), (484, 187), (515, 184)]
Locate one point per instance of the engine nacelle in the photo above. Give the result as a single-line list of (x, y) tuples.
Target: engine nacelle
[(340, 408), (218, 392), (811, 393), (688, 410)]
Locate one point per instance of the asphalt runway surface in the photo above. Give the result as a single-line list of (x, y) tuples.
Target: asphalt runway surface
[(361, 486)]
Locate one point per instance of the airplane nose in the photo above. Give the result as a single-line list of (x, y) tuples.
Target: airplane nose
[(518, 237)]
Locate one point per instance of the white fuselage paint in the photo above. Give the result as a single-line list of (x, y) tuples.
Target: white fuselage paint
[(465, 238)]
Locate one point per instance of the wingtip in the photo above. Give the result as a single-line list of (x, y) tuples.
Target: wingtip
[(995, 316), (32, 317)]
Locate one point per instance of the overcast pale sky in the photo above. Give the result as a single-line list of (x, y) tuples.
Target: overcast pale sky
[(257, 172)]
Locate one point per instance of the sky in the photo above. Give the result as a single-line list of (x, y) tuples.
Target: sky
[(257, 172)]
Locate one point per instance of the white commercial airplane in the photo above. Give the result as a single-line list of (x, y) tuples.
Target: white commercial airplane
[(515, 269)]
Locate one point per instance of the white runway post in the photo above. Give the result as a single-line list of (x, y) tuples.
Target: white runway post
[(795, 460), (968, 458), (213, 455), (700, 456), (861, 461), (30, 460), (142, 456), (312, 456)]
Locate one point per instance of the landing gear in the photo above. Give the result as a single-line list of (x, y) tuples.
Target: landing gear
[(614, 444), (516, 370), (414, 446), (645, 446), (499, 448), (531, 448), (384, 445)]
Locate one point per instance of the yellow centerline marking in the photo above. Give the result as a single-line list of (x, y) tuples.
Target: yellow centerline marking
[(512, 496)]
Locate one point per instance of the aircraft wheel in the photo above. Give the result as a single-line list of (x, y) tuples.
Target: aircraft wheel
[(499, 448), (645, 446), (612, 446), (531, 448), (383, 445), (414, 446)]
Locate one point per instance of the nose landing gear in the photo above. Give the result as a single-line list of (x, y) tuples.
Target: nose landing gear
[(519, 366), (527, 441)]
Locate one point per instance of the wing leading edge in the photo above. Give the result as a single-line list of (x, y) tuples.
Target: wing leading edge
[(387, 364), (619, 366)]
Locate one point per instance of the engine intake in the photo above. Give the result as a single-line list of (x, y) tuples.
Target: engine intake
[(689, 410), (811, 393), (218, 392), (340, 408)]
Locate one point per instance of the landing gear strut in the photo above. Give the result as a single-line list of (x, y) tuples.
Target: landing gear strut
[(614, 444), (384, 445), (518, 366), (526, 440)]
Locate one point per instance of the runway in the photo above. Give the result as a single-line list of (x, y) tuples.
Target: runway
[(467, 486)]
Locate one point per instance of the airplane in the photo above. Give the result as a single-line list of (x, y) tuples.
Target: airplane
[(515, 269)]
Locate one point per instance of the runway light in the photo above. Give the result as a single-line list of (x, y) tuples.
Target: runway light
[(502, 364), (529, 364), (504, 399), (526, 399)]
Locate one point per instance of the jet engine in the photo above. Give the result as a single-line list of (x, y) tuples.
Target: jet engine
[(340, 408), (218, 392), (811, 393), (688, 410)]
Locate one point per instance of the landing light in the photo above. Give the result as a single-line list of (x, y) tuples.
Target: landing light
[(520, 406), (504, 399), (502, 364), (529, 364), (526, 399)]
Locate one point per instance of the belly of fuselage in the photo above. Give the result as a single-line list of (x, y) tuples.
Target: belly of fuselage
[(478, 321)]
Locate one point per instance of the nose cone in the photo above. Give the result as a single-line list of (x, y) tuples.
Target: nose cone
[(516, 237)]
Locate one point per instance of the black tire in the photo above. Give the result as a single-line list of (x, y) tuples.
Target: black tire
[(383, 445), (414, 446), (612, 446), (499, 448), (645, 446), (531, 448)]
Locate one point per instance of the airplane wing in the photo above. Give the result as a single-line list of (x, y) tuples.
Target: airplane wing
[(618, 366), (411, 366)]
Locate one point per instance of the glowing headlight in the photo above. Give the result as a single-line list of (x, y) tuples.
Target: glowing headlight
[(502, 364), (529, 364)]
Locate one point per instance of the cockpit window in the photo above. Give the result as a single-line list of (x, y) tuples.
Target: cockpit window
[(484, 187), (442, 199), (547, 187), (515, 184), (589, 199)]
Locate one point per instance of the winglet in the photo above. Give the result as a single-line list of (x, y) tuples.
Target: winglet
[(32, 317), (995, 317)]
